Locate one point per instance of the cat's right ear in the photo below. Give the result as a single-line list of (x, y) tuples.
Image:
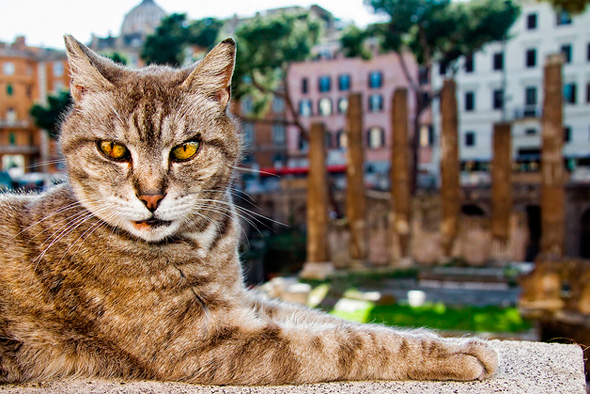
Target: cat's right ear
[(85, 76)]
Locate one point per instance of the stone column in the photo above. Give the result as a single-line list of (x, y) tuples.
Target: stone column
[(552, 167), (400, 177), (449, 171), (355, 189), (501, 189), (318, 264)]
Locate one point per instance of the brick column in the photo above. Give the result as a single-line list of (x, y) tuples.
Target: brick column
[(501, 189), (552, 167), (400, 176), (355, 189), (318, 264), (449, 171)]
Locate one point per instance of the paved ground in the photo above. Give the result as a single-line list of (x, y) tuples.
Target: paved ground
[(525, 367)]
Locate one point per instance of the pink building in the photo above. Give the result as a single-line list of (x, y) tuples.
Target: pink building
[(320, 89)]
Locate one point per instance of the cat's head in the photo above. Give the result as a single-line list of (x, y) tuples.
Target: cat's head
[(148, 149)]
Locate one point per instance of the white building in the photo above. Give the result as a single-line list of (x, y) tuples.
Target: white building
[(514, 71)]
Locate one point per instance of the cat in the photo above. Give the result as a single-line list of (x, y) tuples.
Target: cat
[(130, 269)]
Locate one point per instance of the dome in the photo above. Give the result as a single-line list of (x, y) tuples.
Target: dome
[(143, 19)]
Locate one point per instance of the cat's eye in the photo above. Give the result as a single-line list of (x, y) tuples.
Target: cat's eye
[(185, 151), (114, 150)]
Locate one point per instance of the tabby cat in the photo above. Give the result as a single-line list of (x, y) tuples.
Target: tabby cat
[(130, 269)]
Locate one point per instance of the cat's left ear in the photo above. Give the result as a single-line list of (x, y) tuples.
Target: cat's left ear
[(212, 75)]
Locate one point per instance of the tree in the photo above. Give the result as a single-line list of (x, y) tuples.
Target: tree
[(50, 116), (267, 46), (571, 6), (168, 43), (439, 31), (118, 58)]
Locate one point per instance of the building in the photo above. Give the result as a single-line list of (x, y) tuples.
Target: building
[(320, 89), (138, 23), (27, 76), (504, 81)]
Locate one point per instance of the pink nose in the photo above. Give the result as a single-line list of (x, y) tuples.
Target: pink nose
[(151, 201)]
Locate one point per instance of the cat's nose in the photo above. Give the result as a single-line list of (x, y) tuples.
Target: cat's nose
[(151, 201)]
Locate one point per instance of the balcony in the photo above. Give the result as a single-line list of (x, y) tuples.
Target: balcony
[(19, 149), (527, 112), (21, 124)]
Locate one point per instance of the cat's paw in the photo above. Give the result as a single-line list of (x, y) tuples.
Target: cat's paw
[(476, 360)]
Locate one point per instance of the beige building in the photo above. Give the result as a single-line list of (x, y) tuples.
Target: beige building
[(27, 76)]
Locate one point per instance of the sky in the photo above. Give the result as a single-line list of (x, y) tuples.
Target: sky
[(44, 22)]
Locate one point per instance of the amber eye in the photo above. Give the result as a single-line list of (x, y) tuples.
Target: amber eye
[(185, 151), (114, 150)]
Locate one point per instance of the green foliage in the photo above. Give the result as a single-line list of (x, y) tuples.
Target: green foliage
[(440, 317), (352, 40), (118, 58), (441, 30), (50, 116), (168, 43), (266, 46), (205, 32), (571, 6)]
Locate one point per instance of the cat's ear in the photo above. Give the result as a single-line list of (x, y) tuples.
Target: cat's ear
[(85, 66), (212, 75)]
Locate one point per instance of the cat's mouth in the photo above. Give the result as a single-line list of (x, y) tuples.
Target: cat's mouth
[(151, 223)]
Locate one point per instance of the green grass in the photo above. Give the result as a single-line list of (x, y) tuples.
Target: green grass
[(439, 317)]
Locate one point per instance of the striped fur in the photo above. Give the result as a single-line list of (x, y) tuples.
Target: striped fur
[(94, 284)]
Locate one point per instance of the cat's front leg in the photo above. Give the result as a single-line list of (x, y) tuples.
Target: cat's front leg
[(281, 355)]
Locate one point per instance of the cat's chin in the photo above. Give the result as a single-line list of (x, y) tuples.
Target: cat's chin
[(152, 230)]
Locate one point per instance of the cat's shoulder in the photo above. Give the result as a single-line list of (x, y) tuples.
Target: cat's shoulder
[(20, 203)]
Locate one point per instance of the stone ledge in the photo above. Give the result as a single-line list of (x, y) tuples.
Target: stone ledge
[(525, 367)]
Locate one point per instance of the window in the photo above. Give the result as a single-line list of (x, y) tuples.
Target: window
[(469, 101), (426, 136), (305, 107), (442, 68), (498, 61), (328, 140), (58, 69), (278, 134), (530, 131), (342, 105), (341, 139), (344, 82), (9, 90), (58, 86), (423, 76), (588, 52), (567, 134), (304, 86), (375, 103), (302, 143), (12, 138), (566, 49), (531, 58), (469, 64), (563, 18), (248, 130), (469, 138), (375, 79), (375, 138), (10, 115), (8, 68), (325, 106), (588, 92), (325, 83), (530, 96), (569, 93), (531, 21), (278, 105), (498, 99), (247, 105)]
